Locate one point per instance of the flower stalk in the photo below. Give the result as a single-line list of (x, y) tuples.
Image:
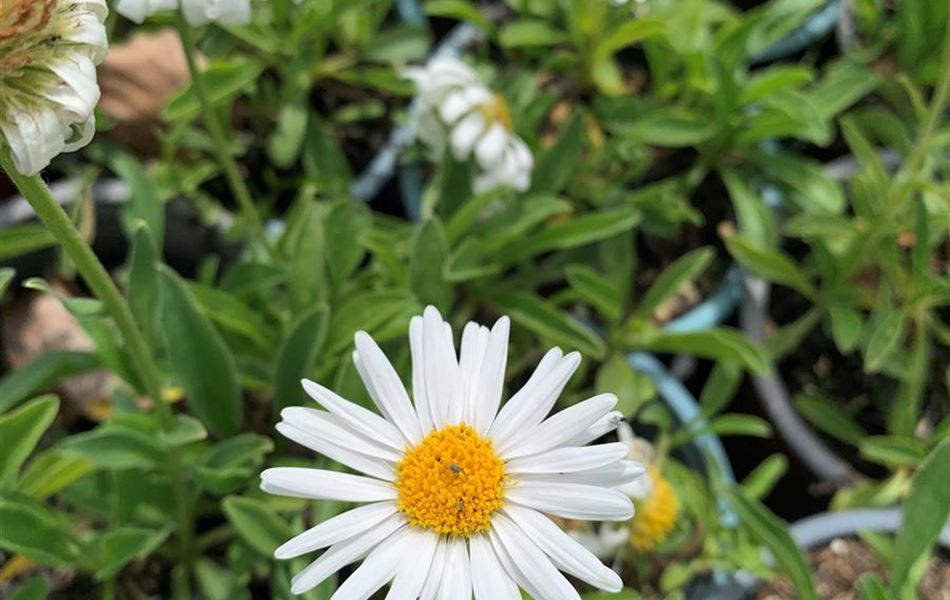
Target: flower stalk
[(55, 219), (219, 137)]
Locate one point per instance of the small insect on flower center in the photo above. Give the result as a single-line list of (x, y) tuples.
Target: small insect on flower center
[(496, 111), (451, 482)]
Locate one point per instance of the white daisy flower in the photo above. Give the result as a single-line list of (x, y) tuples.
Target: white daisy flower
[(456, 490), (454, 109), (197, 12), (49, 50)]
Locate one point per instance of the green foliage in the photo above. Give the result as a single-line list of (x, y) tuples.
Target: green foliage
[(666, 147)]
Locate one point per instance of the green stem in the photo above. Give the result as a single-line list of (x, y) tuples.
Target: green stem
[(219, 138), (930, 120), (59, 224)]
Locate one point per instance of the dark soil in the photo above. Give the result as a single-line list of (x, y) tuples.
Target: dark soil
[(838, 566)]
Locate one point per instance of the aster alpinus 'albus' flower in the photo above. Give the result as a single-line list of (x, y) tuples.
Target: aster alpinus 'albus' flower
[(49, 50), (657, 506), (197, 12), (454, 109), (456, 490)]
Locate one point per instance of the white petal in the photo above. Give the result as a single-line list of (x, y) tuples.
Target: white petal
[(613, 475), (434, 579), (456, 574), (601, 427), (471, 356), (490, 581), (419, 394), (465, 133), (566, 554), (441, 371), (386, 388), (572, 500), (538, 576), (336, 529), (358, 418), (379, 567), (338, 452), (568, 459), (299, 482), (454, 106), (531, 404), (489, 150), (341, 554), (638, 487), (560, 427), (491, 377), (327, 425), (519, 403), (414, 567)]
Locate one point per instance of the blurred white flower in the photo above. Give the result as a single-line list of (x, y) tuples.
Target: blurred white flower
[(457, 490), (49, 50), (197, 12), (454, 109)]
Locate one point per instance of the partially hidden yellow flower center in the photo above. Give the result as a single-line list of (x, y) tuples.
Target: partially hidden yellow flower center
[(496, 111), (451, 482), (655, 515)]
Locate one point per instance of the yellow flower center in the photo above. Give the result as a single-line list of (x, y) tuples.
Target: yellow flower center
[(655, 515), (451, 482), (496, 111)]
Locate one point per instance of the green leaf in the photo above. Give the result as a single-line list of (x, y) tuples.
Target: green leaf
[(556, 165), (773, 79), (216, 583), (257, 523), (460, 10), (6, 276), (367, 311), (345, 225), (143, 291), (755, 219), (925, 512), (43, 372), (578, 231), (401, 43), (886, 334), (224, 80), (307, 251), (39, 533), (893, 450), (231, 313), (199, 359), (21, 239), (826, 416), (551, 324), (717, 344), (739, 424), (427, 263), (119, 547), (720, 387), (871, 588), (529, 33), (628, 33), (22, 429), (846, 326), (115, 447), (298, 356), (144, 204), (34, 589), (185, 430), (669, 129), (762, 479), (631, 387), (773, 533), (597, 290), (683, 270), (771, 264), (51, 471), (286, 139)]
